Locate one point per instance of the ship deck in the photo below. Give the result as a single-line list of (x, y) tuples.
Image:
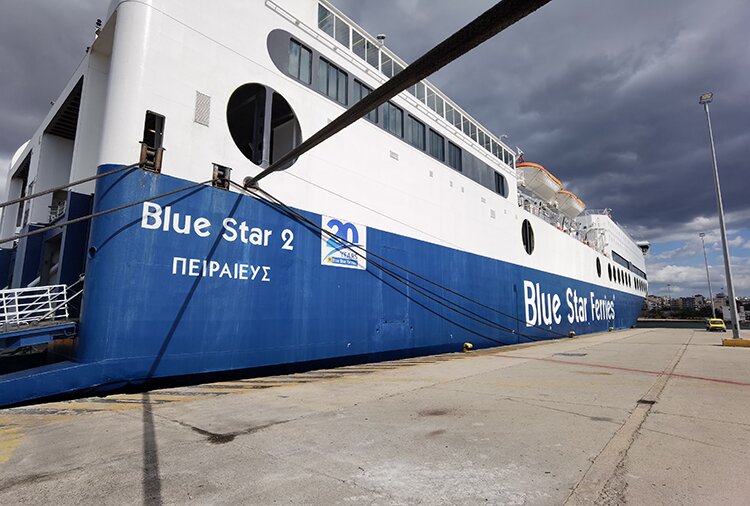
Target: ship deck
[(648, 416)]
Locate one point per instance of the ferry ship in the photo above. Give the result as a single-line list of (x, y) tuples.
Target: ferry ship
[(413, 231)]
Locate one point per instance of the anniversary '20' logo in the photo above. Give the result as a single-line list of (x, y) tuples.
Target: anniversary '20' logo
[(347, 249)]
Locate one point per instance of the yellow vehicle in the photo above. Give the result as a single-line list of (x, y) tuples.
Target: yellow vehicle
[(716, 324)]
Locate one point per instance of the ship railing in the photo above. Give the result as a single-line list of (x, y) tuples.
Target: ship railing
[(598, 212), (57, 211), (24, 307)]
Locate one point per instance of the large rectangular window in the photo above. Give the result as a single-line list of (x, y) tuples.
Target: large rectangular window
[(373, 54), (358, 44), (454, 157), (325, 20), (415, 131), (437, 145), (360, 92), (620, 260), (332, 81), (386, 65), (394, 119), (342, 32), (300, 62), (434, 101)]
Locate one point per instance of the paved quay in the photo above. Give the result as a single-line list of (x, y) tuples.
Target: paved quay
[(644, 416)]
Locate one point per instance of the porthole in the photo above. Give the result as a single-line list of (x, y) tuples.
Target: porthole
[(609, 270), (248, 124), (527, 235), (598, 267)]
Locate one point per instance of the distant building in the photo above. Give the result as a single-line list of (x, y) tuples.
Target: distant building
[(700, 301), (654, 303), (687, 303)]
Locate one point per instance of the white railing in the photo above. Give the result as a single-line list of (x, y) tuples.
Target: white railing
[(58, 211), (30, 306)]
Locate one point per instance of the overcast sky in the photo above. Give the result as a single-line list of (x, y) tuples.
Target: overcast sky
[(602, 93)]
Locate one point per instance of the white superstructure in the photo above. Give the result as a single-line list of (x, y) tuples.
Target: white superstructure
[(193, 58)]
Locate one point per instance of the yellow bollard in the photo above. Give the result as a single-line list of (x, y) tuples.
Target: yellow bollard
[(468, 347)]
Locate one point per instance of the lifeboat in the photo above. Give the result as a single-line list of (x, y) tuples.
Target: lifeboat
[(568, 204), (540, 181)]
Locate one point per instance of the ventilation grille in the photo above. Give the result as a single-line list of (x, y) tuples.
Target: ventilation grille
[(202, 108)]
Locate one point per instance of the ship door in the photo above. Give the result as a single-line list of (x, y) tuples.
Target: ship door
[(394, 330)]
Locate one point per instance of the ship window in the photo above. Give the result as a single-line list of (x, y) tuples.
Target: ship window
[(325, 20), (332, 81), (487, 142), (421, 93), (609, 270), (434, 101), (467, 126), (454, 157), (262, 124), (373, 54), (300, 62), (342, 32), (394, 119), (358, 44), (437, 145), (500, 184), (457, 119), (397, 68), (360, 92), (415, 131), (449, 113), (386, 65), (598, 267), (527, 235)]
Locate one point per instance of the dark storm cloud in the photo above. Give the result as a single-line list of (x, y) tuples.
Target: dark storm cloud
[(603, 93), (41, 43)]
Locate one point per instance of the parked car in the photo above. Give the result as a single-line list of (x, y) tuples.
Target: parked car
[(716, 324)]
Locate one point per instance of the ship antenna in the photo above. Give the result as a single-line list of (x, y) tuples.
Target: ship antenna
[(496, 19)]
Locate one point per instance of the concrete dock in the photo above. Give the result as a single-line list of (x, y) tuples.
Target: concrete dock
[(644, 416)]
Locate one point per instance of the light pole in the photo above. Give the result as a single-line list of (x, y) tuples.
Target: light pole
[(704, 100), (669, 298), (710, 294)]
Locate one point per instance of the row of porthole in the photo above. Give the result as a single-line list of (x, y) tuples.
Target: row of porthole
[(617, 275)]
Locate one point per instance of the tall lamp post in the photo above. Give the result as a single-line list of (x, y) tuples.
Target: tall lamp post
[(708, 277), (669, 292), (704, 100)]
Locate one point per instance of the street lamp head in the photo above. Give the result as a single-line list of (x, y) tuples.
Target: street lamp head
[(702, 234), (706, 98)]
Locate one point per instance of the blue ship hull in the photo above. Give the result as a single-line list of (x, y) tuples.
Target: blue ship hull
[(152, 308)]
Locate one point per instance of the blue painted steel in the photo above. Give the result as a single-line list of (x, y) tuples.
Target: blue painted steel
[(142, 321), (32, 336), (75, 239), (7, 257), (28, 257)]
